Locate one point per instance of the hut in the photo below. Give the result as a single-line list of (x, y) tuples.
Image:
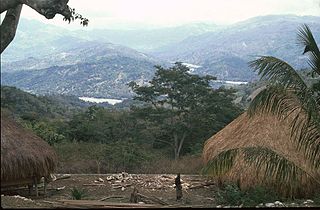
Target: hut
[(261, 130), (25, 157)]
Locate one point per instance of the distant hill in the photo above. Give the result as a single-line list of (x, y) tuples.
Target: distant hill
[(81, 52), (25, 104), (91, 70), (226, 51), (82, 63), (35, 39)]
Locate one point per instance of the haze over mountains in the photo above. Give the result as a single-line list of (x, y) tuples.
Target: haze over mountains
[(225, 52), (99, 63)]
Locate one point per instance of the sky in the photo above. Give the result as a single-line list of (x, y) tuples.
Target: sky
[(160, 13)]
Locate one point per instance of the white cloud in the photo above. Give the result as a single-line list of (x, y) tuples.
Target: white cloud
[(110, 13)]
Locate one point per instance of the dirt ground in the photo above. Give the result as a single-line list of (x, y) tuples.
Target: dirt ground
[(117, 188)]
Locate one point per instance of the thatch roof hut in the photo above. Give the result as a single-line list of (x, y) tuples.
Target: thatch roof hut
[(24, 156), (258, 131)]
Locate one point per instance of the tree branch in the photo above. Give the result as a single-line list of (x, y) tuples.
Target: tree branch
[(9, 25), (8, 4)]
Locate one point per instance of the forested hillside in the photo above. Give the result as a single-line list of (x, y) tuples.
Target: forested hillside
[(140, 132)]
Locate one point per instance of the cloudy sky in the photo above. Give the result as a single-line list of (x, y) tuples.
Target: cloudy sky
[(122, 13)]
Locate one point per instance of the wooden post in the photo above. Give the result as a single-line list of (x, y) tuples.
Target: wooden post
[(178, 187), (45, 186), (36, 185), (134, 198), (30, 188)]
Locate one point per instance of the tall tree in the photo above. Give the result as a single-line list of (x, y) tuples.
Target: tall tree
[(180, 103), (287, 95)]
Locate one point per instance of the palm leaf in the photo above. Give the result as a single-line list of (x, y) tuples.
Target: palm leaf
[(272, 166), (275, 165), (305, 126), (278, 71), (221, 163), (275, 99), (307, 40)]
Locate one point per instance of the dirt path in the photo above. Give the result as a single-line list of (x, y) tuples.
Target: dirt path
[(117, 188)]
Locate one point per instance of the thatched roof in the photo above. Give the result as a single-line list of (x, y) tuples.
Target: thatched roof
[(23, 154), (260, 130)]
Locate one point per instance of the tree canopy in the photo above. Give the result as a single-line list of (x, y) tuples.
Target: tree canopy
[(184, 106)]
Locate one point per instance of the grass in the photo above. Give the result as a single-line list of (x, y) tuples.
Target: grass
[(78, 194), (83, 157), (231, 194)]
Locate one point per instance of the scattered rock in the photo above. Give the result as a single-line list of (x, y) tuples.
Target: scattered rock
[(109, 178), (260, 205), (269, 205), (23, 198), (278, 204), (61, 188)]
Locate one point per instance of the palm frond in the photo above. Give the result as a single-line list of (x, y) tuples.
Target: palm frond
[(275, 165), (306, 133), (278, 71), (302, 108), (221, 163), (270, 166), (274, 99), (307, 40)]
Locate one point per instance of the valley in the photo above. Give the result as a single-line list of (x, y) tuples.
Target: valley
[(94, 64), (160, 104)]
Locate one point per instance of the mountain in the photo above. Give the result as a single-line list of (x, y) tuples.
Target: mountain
[(34, 39), (92, 70), (47, 59), (226, 51), (82, 52), (146, 40)]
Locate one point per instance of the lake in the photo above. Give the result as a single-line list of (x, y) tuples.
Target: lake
[(101, 100)]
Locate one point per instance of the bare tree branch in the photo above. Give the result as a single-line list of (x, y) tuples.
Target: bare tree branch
[(9, 25)]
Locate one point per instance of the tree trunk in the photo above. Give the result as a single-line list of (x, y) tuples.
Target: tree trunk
[(178, 144), (47, 8), (181, 143), (98, 166), (8, 4), (9, 25)]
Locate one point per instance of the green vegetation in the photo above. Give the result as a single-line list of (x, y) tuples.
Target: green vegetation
[(78, 194), (286, 95), (161, 131), (231, 194), (183, 107)]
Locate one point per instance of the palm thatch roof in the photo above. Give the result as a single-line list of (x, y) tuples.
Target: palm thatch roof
[(23, 154), (258, 131)]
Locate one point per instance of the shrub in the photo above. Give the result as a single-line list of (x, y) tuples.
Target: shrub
[(126, 156), (231, 194), (78, 194)]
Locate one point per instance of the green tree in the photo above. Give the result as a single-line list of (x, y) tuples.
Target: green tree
[(286, 95), (179, 103), (46, 130), (103, 125)]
